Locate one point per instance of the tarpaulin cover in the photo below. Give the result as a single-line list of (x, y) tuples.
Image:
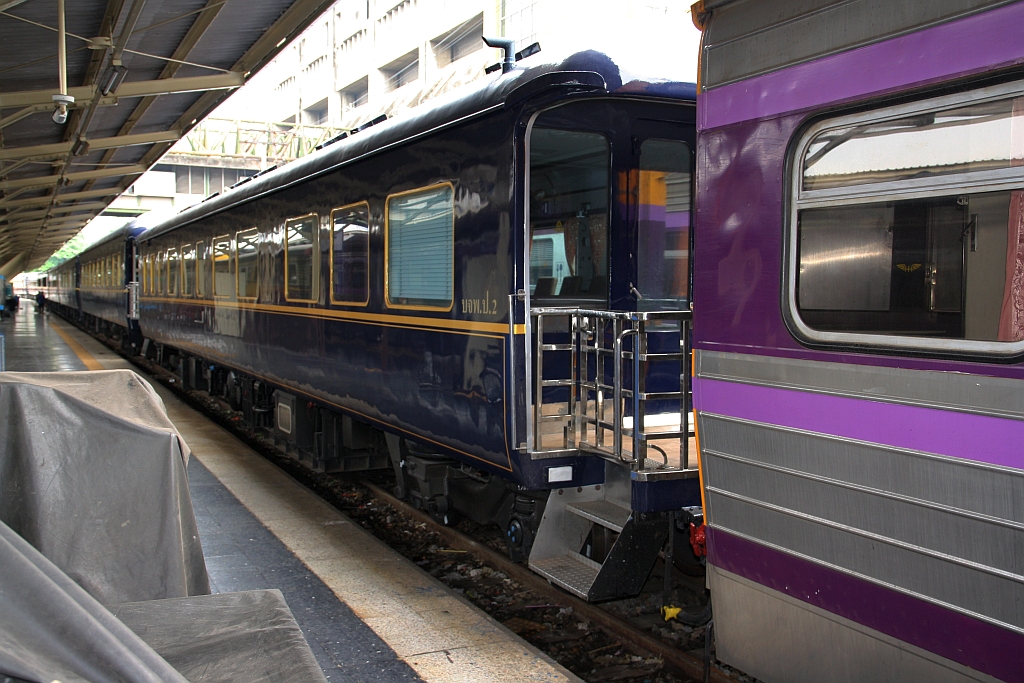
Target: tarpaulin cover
[(92, 477), (51, 629), (92, 473), (247, 636)]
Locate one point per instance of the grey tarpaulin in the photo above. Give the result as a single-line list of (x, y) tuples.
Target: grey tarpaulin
[(247, 636), (92, 477), (51, 629), (92, 473)]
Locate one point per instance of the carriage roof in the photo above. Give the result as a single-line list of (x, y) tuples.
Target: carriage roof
[(583, 72)]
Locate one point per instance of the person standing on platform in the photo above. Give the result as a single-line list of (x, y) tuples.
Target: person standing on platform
[(40, 301)]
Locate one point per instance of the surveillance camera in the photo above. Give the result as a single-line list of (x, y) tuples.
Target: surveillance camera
[(60, 115)]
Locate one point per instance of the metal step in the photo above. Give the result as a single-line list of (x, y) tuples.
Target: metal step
[(571, 571), (603, 512)]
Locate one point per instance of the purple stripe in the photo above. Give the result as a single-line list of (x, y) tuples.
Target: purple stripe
[(977, 43), (960, 435), (974, 643)]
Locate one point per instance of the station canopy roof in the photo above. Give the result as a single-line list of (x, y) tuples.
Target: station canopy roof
[(142, 72)]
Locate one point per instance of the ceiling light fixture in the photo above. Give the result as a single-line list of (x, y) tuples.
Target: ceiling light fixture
[(112, 79)]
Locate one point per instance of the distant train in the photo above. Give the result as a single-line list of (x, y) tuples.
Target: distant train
[(490, 295), (859, 337)]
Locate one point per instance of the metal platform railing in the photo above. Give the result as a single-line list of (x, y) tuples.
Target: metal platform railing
[(590, 386)]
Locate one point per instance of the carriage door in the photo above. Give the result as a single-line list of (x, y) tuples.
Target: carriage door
[(608, 236)]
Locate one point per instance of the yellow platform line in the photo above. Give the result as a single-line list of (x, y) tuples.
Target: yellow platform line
[(90, 362)]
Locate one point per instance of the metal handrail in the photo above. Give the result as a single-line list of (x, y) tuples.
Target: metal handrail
[(587, 330)]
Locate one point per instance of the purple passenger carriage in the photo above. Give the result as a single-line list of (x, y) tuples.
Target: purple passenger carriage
[(859, 337)]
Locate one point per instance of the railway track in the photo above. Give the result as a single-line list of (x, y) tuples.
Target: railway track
[(685, 662)]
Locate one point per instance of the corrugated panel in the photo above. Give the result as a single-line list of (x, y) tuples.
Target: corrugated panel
[(751, 37)]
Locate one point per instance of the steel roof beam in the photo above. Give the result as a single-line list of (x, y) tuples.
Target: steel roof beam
[(62, 148), (84, 94), (47, 181), (24, 213), (70, 197), (192, 36), (15, 265)]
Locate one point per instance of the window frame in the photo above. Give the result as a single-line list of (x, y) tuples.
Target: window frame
[(387, 263), (558, 299), (200, 268), (160, 272), (186, 290), (176, 260), (238, 290), (218, 240), (315, 275), (349, 207), (969, 182)]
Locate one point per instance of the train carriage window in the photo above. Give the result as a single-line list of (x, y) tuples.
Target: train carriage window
[(908, 226), (301, 258), (145, 274), (350, 245), (173, 272), (188, 270), (202, 268), (419, 256), (569, 198), (247, 263), (160, 262), (663, 208), (222, 282)]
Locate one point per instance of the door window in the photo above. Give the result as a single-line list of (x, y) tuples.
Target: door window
[(569, 197), (663, 228)]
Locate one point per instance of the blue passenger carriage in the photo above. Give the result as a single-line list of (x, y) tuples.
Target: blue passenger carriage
[(95, 288), (489, 295)]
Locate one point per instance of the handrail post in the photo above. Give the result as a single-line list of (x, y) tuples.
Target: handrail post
[(686, 380), (538, 385), (598, 382), (571, 407), (639, 367), (617, 388)]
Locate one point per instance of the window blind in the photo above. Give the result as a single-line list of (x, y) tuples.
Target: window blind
[(420, 248)]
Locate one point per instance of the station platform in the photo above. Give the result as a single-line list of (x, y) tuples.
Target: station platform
[(368, 613)]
